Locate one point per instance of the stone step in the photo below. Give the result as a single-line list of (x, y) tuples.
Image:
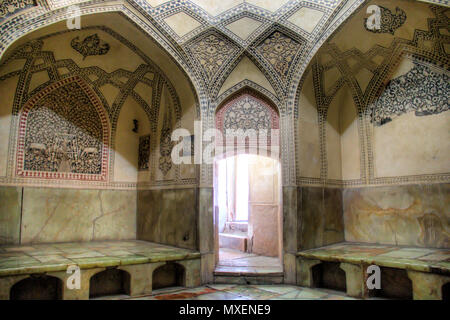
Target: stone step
[(237, 225), (233, 241), (248, 275), (255, 279)]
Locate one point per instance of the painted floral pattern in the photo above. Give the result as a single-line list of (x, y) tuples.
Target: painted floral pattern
[(279, 50), (212, 53), (421, 90), (247, 114)]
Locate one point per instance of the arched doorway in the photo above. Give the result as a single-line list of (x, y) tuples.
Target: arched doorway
[(247, 186)]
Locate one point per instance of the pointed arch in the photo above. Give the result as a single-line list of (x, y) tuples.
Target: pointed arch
[(348, 9), (79, 149), (249, 113), (38, 20), (253, 87)]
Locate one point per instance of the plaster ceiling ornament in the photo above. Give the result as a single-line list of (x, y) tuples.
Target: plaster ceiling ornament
[(144, 153), (279, 51), (90, 46), (166, 143), (251, 114), (8, 7), (389, 22), (212, 53), (247, 114)]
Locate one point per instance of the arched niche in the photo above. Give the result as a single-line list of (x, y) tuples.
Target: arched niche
[(37, 287), (64, 134), (169, 275), (116, 81), (109, 282), (132, 143), (342, 137)]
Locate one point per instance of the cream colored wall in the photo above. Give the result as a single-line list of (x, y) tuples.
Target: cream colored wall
[(308, 141), (350, 144), (333, 139), (127, 142), (264, 205), (413, 145), (410, 144)]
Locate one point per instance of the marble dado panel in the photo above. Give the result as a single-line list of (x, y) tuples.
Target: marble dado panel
[(168, 216), (10, 209), (416, 215), (60, 215), (320, 220)]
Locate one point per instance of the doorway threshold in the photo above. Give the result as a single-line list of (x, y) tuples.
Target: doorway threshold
[(237, 263)]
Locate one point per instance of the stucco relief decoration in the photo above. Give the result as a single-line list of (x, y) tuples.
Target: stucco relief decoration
[(63, 134), (389, 22), (421, 90), (279, 50), (212, 53), (166, 143), (247, 112), (90, 46), (144, 153), (8, 7)]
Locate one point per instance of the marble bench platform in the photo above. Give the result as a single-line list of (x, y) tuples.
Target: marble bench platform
[(427, 268), (138, 258)]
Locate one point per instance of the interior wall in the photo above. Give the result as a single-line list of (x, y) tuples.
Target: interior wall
[(264, 206), (320, 220), (308, 134), (383, 144), (76, 176), (414, 215), (169, 216)]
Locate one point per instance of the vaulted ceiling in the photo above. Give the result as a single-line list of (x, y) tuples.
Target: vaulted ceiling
[(208, 38)]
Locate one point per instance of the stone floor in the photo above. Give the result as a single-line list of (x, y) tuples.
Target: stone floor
[(231, 260), (239, 292)]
